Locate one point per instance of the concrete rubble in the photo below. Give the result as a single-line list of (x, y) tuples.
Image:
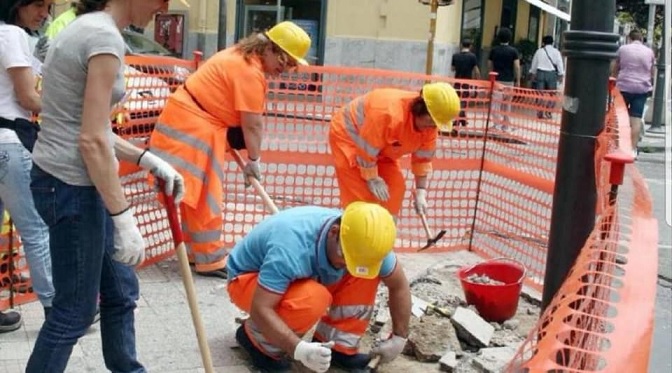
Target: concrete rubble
[(449, 334)]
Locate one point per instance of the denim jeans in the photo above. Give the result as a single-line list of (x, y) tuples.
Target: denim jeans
[(15, 165), (81, 236)]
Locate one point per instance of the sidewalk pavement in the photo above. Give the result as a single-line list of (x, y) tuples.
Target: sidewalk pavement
[(653, 142), (166, 340)]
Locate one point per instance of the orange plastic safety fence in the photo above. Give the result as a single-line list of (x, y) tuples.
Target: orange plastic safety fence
[(601, 319), (15, 284)]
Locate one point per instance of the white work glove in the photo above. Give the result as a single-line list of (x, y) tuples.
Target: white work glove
[(420, 202), (316, 356), (129, 246), (389, 349), (252, 169), (162, 170), (378, 187)]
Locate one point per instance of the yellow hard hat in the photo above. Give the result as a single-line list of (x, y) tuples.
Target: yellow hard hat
[(442, 102), (367, 235), (292, 39)]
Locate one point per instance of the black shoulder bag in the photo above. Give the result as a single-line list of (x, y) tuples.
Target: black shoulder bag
[(25, 130)]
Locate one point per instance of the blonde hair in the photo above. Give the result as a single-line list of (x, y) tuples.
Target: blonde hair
[(253, 45)]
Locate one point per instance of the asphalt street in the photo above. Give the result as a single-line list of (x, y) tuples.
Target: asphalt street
[(652, 167)]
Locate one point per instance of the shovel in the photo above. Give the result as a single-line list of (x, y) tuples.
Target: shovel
[(431, 240)]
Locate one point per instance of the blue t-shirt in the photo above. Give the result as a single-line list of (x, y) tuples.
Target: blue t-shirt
[(289, 246)]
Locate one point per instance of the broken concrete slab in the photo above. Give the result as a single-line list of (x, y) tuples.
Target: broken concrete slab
[(448, 362), (431, 337), (471, 328), (493, 359)]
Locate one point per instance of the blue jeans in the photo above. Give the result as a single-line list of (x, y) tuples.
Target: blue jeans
[(15, 165), (81, 234)]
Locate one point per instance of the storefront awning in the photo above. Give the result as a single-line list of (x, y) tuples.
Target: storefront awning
[(550, 9)]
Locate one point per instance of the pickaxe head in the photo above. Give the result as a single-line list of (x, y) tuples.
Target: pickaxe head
[(432, 241)]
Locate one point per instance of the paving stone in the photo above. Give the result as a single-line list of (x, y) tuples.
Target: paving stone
[(448, 362), (471, 328), (493, 359)]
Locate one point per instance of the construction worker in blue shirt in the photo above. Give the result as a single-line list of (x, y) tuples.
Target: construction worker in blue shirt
[(309, 265)]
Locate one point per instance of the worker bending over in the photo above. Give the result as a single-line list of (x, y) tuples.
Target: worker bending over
[(369, 135), (310, 265), (226, 93)]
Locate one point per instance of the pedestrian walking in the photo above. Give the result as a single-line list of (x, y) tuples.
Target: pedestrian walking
[(505, 61), (634, 72), (547, 71), (465, 67), (19, 100)]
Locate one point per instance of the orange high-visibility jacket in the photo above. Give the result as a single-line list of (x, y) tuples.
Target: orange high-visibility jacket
[(379, 125), (191, 131)]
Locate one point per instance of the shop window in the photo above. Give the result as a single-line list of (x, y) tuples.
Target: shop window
[(472, 24), (533, 25)]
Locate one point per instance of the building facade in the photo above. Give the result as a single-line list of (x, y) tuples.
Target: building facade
[(388, 34)]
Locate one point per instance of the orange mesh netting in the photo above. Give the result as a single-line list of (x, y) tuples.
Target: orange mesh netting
[(491, 189)]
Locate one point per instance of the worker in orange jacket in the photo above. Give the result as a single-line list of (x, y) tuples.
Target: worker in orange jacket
[(315, 265), (370, 134), (227, 93)]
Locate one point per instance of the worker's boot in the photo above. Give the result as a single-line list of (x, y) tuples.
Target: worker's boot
[(260, 360), (9, 321)]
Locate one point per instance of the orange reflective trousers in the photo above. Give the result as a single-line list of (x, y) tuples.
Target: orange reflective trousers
[(343, 310), (195, 144)]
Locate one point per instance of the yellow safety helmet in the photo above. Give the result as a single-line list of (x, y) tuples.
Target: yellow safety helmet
[(367, 235), (443, 104), (292, 39)]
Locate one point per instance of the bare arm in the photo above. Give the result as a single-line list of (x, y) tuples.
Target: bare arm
[(23, 80), (253, 131), (126, 151), (275, 330), (97, 153), (421, 182), (476, 73), (516, 72), (400, 301)]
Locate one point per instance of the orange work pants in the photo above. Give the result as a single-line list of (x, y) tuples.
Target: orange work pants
[(353, 187), (203, 239), (342, 309)]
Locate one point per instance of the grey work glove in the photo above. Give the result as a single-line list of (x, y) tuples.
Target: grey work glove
[(252, 169), (420, 202), (129, 246), (389, 349), (378, 188), (174, 182)]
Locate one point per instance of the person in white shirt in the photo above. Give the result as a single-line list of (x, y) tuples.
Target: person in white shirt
[(19, 99), (547, 71)]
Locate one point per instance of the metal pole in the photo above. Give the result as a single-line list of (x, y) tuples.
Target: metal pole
[(590, 45), (658, 119), (650, 27), (221, 26), (434, 6)]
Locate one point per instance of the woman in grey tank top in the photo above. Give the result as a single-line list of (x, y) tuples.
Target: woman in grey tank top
[(95, 241)]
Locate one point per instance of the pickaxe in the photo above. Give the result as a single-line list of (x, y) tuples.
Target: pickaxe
[(431, 241)]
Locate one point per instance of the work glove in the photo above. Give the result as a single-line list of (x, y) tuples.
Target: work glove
[(420, 202), (389, 349), (129, 246), (252, 169), (174, 182), (378, 188), (316, 356)]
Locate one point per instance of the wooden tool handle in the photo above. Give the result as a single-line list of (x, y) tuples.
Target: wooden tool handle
[(188, 282), (423, 219), (256, 184), (373, 364)]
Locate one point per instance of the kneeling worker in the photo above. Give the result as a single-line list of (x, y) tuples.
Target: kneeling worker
[(310, 265)]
